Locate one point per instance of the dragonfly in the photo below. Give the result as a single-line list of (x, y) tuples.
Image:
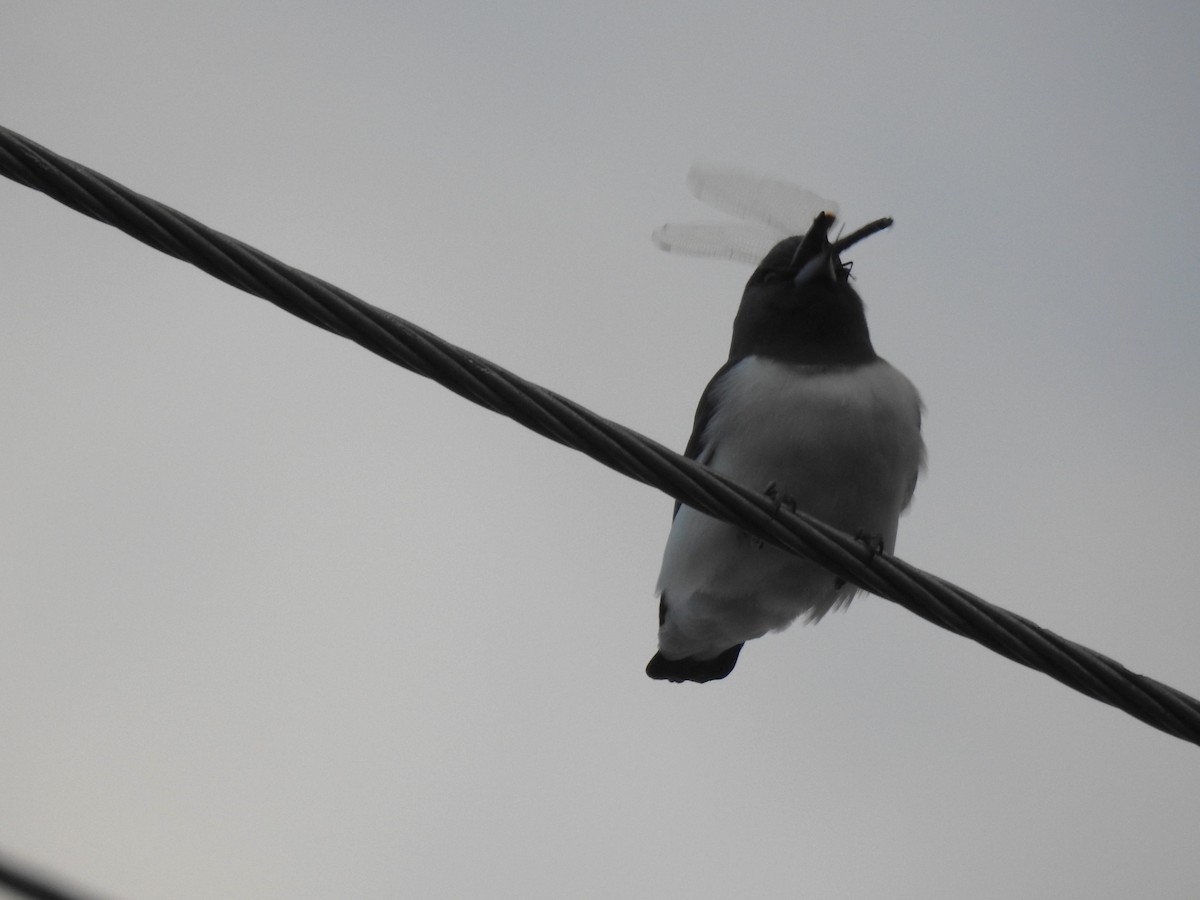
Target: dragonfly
[(771, 209)]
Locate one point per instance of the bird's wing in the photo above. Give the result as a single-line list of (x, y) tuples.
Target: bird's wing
[(697, 448), (912, 484)]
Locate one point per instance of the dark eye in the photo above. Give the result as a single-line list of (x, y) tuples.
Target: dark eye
[(771, 275)]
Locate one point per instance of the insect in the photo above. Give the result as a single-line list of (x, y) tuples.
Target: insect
[(774, 209)]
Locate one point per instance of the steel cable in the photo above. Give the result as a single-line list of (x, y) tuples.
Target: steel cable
[(25, 881), (327, 306)]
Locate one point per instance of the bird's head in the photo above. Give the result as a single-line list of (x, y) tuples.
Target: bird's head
[(799, 306)]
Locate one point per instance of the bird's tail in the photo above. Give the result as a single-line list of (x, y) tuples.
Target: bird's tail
[(692, 669)]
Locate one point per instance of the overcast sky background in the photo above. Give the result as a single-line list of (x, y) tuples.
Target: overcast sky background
[(284, 621)]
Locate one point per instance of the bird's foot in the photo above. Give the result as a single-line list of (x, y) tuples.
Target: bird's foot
[(781, 501), (779, 498), (873, 542)]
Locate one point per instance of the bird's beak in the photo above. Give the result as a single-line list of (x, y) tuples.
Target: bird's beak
[(817, 239), (819, 265)]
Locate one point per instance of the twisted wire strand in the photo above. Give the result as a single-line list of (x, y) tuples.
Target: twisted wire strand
[(24, 881), (555, 417)]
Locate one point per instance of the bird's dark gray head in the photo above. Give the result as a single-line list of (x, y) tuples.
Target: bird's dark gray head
[(799, 306)]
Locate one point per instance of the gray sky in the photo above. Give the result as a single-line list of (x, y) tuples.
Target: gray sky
[(284, 621)]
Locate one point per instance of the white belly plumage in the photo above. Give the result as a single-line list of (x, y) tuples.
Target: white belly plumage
[(844, 444)]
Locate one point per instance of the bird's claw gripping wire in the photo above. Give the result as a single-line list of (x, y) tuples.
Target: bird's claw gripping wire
[(781, 500), (873, 542)]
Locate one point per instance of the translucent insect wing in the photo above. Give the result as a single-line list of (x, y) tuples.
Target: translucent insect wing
[(741, 241), (771, 201), (771, 208)]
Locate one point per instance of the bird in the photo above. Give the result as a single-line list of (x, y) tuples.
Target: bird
[(806, 411)]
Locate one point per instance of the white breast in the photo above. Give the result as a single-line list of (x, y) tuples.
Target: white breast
[(844, 444)]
